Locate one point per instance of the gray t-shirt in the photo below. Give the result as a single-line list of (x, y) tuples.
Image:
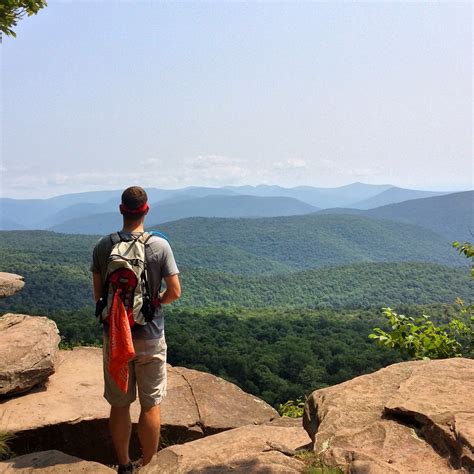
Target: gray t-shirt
[(160, 264)]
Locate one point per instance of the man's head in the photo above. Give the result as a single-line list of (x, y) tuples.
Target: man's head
[(134, 203)]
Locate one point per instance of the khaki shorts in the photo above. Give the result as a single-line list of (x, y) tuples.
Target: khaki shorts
[(147, 371)]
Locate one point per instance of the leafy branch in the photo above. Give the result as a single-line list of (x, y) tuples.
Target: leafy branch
[(11, 11), (420, 338)]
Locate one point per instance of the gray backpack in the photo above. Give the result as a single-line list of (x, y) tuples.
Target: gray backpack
[(127, 273)]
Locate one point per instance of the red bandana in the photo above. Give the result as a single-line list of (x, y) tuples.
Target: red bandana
[(139, 210)]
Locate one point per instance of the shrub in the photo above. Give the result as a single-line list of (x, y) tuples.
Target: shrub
[(418, 337), (292, 409), (422, 339)]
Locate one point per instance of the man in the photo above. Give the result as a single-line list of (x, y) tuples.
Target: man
[(147, 370)]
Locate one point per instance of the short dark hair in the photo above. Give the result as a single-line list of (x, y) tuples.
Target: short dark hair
[(134, 197)]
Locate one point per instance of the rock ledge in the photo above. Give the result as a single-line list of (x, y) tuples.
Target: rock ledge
[(409, 417), (10, 284)]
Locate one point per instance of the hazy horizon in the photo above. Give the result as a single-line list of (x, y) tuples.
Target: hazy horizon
[(224, 186), (171, 95)]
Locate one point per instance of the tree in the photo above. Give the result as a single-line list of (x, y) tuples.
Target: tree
[(11, 11)]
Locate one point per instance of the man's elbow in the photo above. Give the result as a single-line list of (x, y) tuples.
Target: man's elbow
[(176, 293), (173, 292)]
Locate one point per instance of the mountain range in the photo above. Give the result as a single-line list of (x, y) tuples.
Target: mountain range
[(450, 216), (338, 257), (81, 212), (175, 208)]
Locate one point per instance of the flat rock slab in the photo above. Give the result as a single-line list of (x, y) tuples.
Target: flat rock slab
[(49, 462), (248, 449), (28, 348), (10, 284), (219, 405), (409, 417), (70, 414), (439, 396)]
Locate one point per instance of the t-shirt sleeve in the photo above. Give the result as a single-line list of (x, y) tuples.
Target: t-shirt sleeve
[(168, 263)]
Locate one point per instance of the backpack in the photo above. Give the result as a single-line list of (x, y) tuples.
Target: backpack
[(127, 274)]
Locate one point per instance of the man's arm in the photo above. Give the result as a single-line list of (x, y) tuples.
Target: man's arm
[(173, 290), (97, 285)]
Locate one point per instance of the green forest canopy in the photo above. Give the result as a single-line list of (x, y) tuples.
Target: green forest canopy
[(268, 340)]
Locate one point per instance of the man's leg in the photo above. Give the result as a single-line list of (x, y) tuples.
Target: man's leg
[(121, 428), (150, 370), (149, 432), (119, 422)]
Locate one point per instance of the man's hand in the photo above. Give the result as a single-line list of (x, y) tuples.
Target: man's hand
[(173, 290)]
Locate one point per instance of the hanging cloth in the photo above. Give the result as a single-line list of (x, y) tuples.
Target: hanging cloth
[(121, 343)]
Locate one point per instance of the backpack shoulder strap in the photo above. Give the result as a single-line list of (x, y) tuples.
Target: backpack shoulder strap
[(145, 237), (115, 238)]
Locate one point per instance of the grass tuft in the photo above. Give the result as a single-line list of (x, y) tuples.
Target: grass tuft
[(5, 451), (314, 464)]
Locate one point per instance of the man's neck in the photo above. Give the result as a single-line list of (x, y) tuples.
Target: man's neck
[(133, 227)]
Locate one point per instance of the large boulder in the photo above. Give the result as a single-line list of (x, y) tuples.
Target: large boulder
[(248, 449), (207, 404), (28, 348), (409, 417), (10, 284), (71, 415), (51, 462)]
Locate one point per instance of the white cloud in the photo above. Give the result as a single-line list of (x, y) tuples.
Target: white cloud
[(149, 162), (210, 160), (201, 170), (215, 169), (290, 164), (336, 168)]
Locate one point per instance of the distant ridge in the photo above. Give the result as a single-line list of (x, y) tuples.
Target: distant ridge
[(8, 224), (449, 215), (52, 212), (318, 196), (208, 206), (394, 195), (44, 213)]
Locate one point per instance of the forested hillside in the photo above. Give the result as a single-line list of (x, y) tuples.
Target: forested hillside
[(280, 306), (362, 285), (451, 215), (309, 241), (56, 268)]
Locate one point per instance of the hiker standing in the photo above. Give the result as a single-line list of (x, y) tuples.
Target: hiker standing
[(127, 271)]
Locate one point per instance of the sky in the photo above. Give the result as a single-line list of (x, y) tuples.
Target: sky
[(103, 95)]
